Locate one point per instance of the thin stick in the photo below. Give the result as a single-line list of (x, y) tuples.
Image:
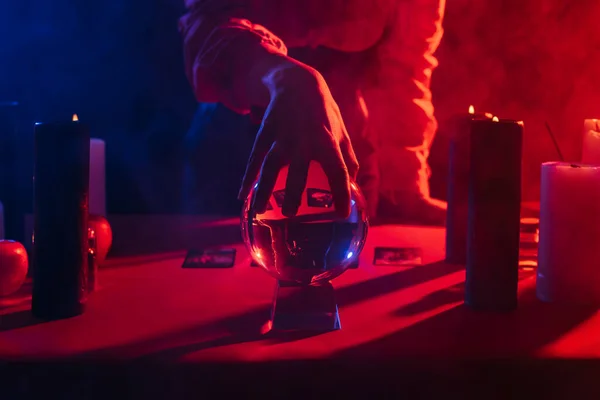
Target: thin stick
[(554, 141)]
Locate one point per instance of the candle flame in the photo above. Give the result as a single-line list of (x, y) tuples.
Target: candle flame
[(489, 115), (495, 119), (530, 221), (75, 117), (471, 110)]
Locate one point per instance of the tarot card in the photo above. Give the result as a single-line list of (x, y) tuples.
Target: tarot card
[(210, 258), (398, 256)]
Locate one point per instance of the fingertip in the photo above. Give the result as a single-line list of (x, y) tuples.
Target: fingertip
[(289, 211), (258, 206), (342, 205), (244, 190), (344, 212), (259, 203)]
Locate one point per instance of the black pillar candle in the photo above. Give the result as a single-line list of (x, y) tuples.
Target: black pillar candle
[(60, 249), (458, 187), (494, 213)]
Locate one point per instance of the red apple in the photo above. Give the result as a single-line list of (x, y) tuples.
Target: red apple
[(13, 266), (103, 234)]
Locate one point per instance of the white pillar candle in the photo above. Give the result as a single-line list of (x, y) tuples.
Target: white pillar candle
[(1, 221), (591, 142), (569, 247), (97, 205)]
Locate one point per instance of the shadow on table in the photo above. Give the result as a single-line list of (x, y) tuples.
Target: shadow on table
[(488, 350), (238, 329), (15, 310), (461, 332), (493, 355), (246, 327), (18, 319), (387, 284), (271, 338), (451, 294)]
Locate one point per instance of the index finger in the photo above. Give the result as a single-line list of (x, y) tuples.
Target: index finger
[(262, 145), (334, 167), (349, 157)]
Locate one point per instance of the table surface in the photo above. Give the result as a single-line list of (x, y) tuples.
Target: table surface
[(148, 307)]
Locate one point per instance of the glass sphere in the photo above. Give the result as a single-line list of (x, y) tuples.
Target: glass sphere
[(315, 245)]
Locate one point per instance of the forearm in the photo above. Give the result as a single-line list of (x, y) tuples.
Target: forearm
[(231, 60)]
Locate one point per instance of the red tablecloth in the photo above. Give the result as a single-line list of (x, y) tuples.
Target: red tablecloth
[(149, 309)]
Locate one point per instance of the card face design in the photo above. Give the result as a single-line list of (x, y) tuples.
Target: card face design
[(210, 258), (279, 196), (319, 198), (398, 256)]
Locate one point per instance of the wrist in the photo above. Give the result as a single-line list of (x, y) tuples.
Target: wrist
[(258, 93), (292, 74), (272, 74)]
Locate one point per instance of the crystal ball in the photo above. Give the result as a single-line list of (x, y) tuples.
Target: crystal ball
[(312, 247)]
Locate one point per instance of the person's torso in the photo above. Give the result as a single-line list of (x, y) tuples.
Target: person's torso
[(345, 25)]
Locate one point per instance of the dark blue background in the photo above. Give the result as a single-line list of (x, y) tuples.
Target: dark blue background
[(118, 65)]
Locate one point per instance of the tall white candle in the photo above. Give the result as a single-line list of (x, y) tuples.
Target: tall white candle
[(97, 178), (1, 221), (591, 142), (569, 246)]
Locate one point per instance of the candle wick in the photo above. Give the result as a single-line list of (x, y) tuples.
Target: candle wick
[(560, 155)]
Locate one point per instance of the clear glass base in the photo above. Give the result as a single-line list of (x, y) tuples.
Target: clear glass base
[(304, 308)]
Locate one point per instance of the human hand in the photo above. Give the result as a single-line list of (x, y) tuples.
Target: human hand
[(302, 123)]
